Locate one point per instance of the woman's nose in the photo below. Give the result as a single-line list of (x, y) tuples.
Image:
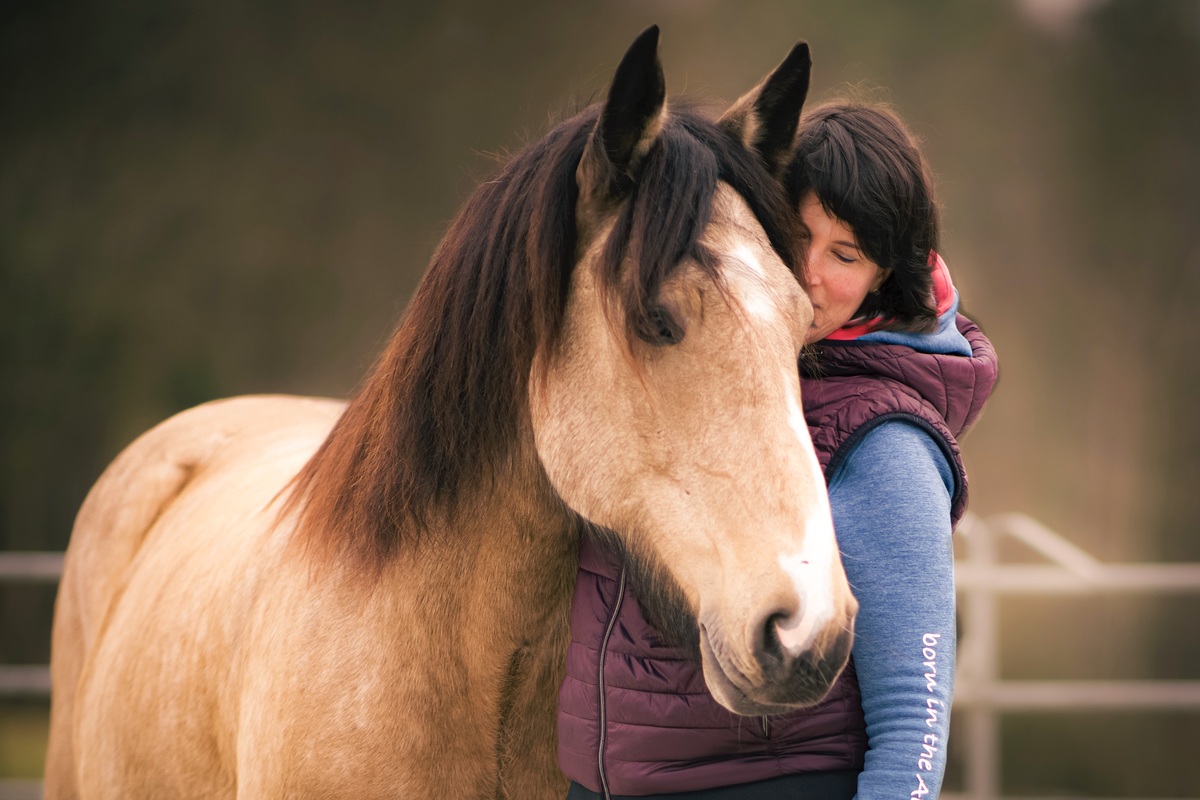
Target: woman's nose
[(814, 269)]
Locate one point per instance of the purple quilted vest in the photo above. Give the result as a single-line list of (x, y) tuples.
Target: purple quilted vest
[(634, 714)]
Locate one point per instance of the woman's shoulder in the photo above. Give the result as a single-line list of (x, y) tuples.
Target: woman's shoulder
[(897, 465), (864, 377), (897, 451)]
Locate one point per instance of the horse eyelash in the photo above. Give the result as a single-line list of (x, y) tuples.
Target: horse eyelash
[(660, 328)]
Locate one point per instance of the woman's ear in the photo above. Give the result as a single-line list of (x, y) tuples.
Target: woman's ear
[(766, 118), (881, 278)]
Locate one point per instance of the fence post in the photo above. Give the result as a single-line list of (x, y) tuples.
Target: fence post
[(982, 642)]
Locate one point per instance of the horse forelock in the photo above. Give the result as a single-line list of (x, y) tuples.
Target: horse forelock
[(442, 408), (669, 207)]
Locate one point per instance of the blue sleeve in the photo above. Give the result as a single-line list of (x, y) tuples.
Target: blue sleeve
[(891, 509)]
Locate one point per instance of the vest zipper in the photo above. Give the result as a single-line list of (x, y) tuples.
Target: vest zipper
[(766, 725), (612, 623)]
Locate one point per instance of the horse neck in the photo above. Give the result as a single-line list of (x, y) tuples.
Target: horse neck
[(508, 546)]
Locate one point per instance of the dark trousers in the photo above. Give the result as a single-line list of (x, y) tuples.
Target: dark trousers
[(839, 785)]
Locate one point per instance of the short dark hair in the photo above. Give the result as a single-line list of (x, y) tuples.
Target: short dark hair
[(867, 170)]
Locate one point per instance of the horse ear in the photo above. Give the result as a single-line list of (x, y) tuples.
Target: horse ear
[(766, 118), (629, 124)]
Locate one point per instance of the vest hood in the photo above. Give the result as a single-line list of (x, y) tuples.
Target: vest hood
[(957, 387)]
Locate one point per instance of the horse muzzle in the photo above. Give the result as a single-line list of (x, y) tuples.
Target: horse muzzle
[(760, 672)]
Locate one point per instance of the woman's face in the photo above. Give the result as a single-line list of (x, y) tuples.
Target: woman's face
[(839, 274)]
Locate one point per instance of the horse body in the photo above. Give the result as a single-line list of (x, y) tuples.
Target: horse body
[(221, 665), (285, 597)]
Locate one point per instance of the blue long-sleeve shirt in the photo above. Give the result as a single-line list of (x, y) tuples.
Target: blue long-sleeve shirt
[(890, 499), (891, 509)]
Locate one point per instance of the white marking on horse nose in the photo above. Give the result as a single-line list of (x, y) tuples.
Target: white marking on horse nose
[(754, 296), (795, 414), (811, 570), (744, 254)]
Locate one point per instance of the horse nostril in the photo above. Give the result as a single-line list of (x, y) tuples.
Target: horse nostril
[(796, 632), (769, 644)]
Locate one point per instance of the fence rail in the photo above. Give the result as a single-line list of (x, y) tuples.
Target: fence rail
[(27, 681), (980, 691), (982, 579), (31, 567)]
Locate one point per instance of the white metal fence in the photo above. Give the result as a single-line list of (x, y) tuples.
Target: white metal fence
[(26, 681), (16, 681), (980, 694)]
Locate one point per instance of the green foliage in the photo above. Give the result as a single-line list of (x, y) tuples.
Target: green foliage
[(23, 731)]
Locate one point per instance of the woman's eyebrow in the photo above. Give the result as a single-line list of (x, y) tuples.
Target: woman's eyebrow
[(845, 243)]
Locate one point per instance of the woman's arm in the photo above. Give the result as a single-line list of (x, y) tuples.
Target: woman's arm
[(891, 510)]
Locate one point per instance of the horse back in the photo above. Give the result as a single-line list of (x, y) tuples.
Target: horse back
[(123, 511)]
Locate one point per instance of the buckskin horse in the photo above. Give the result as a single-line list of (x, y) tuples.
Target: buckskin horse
[(293, 597)]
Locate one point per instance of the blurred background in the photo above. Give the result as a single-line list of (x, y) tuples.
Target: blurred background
[(209, 199)]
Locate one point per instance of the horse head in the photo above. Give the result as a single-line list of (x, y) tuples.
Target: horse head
[(666, 410)]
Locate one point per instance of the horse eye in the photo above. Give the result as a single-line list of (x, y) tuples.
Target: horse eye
[(660, 328)]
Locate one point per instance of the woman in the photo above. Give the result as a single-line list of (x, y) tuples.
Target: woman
[(892, 376)]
